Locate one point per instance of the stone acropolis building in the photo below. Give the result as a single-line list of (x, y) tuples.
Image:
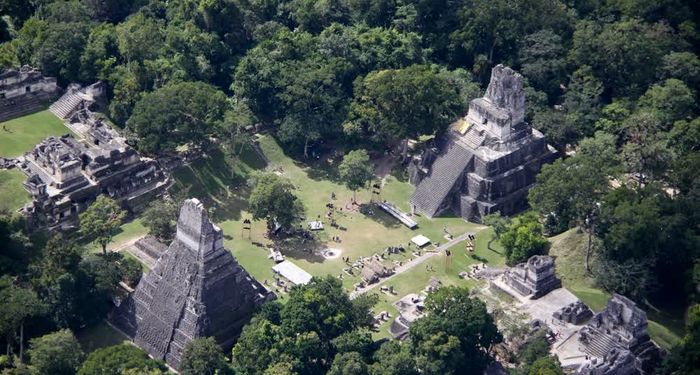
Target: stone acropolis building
[(488, 160), (23, 91)]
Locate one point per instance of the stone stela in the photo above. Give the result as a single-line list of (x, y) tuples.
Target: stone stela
[(197, 289), (488, 160)]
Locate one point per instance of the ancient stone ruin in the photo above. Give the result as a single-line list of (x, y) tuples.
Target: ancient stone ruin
[(196, 289), (618, 339), (488, 159), (65, 175), (533, 278), (77, 99), (575, 313), (374, 270), (24, 91)]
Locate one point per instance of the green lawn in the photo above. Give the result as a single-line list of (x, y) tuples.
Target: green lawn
[(665, 327), (20, 135), (222, 185), (12, 194), (211, 181), (127, 232), (416, 279), (99, 336)]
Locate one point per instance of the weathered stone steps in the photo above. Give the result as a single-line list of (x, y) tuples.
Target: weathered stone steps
[(444, 173), (65, 105), (599, 345)]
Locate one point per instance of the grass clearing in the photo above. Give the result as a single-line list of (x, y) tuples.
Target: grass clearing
[(21, 134), (12, 194), (222, 185), (127, 232), (99, 335)]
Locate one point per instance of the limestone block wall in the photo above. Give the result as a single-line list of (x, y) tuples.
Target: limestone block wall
[(487, 167)]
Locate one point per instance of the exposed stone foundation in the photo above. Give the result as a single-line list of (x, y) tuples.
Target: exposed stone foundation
[(574, 313)]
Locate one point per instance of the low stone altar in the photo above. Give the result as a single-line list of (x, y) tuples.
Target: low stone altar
[(197, 289), (574, 313)]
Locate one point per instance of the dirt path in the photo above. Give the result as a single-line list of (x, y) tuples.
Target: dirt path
[(413, 263), (126, 244)]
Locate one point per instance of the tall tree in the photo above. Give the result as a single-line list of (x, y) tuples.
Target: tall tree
[(177, 114), (405, 103), (118, 358), (569, 192), (456, 334), (161, 218), (204, 356), (499, 223), (645, 153), (670, 101), (101, 220), (273, 199), (356, 170), (523, 239), (542, 57), (611, 48), (394, 358), (19, 304), (307, 331), (350, 363), (56, 353)]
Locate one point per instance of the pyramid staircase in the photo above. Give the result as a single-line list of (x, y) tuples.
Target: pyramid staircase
[(447, 168), (66, 105), (599, 345)]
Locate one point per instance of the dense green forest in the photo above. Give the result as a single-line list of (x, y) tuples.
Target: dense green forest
[(613, 84)]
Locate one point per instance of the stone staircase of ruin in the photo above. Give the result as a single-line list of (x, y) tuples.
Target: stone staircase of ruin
[(599, 345), (447, 168), (473, 139), (64, 106)]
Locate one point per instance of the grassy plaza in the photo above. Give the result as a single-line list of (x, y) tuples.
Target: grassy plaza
[(21, 134)]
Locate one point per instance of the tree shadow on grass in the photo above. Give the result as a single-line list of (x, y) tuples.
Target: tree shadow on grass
[(295, 247), (230, 206), (253, 157), (213, 181), (374, 213), (322, 169)]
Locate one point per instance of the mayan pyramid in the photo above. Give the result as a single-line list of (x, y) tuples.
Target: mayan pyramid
[(196, 289)]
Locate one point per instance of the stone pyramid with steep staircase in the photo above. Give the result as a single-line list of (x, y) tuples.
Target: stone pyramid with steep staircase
[(197, 289)]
